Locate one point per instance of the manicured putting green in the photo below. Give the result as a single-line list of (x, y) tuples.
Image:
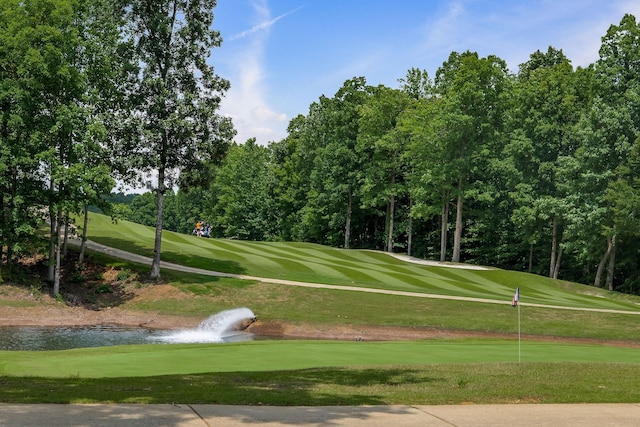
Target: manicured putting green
[(152, 360)]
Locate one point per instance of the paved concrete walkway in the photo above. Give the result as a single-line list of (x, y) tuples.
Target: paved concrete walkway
[(523, 415)]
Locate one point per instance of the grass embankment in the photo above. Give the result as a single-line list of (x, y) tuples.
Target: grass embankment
[(333, 373), (320, 264)]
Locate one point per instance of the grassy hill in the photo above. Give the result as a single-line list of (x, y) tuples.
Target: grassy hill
[(555, 366), (368, 269), (320, 264)]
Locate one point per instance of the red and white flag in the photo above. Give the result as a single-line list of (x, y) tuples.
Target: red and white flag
[(516, 298)]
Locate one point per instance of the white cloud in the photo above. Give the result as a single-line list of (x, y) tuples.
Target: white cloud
[(515, 30), (246, 102), (265, 25), (263, 113), (442, 32)]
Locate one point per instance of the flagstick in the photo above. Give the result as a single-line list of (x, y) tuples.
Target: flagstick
[(518, 333)]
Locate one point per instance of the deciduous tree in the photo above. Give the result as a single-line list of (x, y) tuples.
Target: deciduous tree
[(173, 121)]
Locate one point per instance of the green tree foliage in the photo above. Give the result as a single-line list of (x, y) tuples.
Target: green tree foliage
[(20, 181), (175, 94), (382, 146), (337, 168), (545, 107), (49, 137), (144, 209), (470, 113), (245, 208), (290, 185)]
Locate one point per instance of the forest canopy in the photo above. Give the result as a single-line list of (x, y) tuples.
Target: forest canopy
[(534, 170)]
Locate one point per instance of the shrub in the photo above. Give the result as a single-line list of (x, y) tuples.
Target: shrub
[(123, 275), (104, 289)]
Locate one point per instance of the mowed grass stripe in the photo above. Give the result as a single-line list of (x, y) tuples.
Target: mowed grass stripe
[(281, 267), (374, 269), (362, 273), (254, 253), (151, 360)]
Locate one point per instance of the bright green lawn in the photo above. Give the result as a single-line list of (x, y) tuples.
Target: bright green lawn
[(439, 371), (150, 360), (375, 385), (320, 264)]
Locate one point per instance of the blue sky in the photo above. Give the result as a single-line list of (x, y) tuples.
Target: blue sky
[(282, 55)]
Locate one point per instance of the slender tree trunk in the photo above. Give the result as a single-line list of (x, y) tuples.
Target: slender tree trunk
[(556, 252), (598, 279), (10, 230), (457, 237), (410, 229), (556, 267), (66, 235), (530, 257), (443, 229), (58, 243), (84, 234), (392, 206), (554, 245), (347, 227), (155, 265), (3, 225), (612, 263), (52, 243)]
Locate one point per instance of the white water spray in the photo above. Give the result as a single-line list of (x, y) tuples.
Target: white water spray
[(221, 327)]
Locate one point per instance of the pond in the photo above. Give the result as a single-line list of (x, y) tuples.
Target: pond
[(219, 328), (64, 338)]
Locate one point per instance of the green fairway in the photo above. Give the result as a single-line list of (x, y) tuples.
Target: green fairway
[(304, 372), (151, 360), (314, 373), (319, 264)]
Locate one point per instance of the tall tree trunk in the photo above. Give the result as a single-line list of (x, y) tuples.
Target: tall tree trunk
[(443, 229), (410, 229), (3, 225), (598, 279), (56, 276), (392, 206), (530, 257), (556, 251), (457, 237), (52, 242), (554, 245), (66, 234), (556, 267), (347, 227), (612, 263), (83, 242), (155, 264), (10, 229)]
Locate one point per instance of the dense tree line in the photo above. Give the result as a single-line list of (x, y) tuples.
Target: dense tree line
[(534, 170), (97, 90)]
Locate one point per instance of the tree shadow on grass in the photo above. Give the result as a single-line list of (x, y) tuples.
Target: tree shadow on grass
[(309, 388)]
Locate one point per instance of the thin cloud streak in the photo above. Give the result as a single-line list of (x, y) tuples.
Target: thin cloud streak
[(262, 26)]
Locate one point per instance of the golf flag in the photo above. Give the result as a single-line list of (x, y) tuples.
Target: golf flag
[(516, 298)]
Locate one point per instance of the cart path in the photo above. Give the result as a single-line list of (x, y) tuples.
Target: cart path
[(129, 256)]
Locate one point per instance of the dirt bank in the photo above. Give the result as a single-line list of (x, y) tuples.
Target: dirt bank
[(19, 307)]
